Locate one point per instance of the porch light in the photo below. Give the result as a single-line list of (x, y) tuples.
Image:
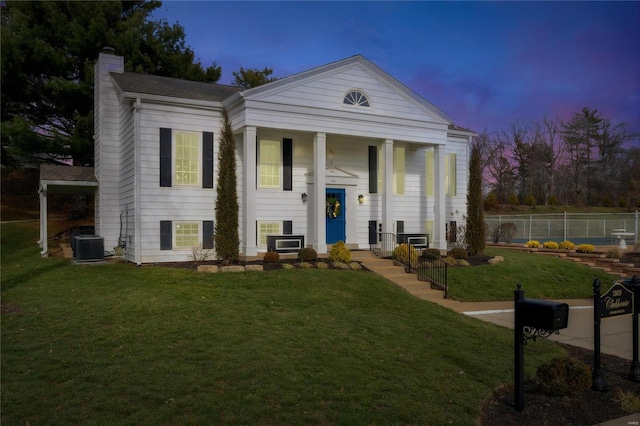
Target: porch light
[(361, 199), (304, 197)]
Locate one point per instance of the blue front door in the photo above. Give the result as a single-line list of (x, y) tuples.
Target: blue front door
[(335, 211)]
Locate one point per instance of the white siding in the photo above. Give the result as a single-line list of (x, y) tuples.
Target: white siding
[(106, 149), (176, 203)]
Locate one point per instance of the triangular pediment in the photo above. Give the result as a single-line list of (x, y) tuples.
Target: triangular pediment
[(336, 175), (325, 88)]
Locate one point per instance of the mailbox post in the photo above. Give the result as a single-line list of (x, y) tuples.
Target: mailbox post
[(533, 318)]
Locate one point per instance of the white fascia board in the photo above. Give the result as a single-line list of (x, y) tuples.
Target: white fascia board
[(68, 183), (461, 133), (254, 108), (168, 100)]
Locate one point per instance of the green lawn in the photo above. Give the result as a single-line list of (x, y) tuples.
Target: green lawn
[(114, 344), (542, 277)]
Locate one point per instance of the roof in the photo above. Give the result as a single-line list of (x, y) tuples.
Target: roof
[(67, 173), (173, 87), (67, 179)]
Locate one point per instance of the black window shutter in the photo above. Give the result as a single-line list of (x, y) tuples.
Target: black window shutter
[(207, 159), (207, 234), (373, 170), (287, 164), (287, 227), (373, 232), (165, 157), (166, 242), (400, 227)]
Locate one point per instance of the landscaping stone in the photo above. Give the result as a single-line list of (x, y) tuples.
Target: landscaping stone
[(208, 268), (288, 266), (355, 266), (231, 268), (496, 260), (253, 268)]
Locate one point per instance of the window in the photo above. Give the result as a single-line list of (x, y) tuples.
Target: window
[(187, 158), (450, 174), (270, 164), (398, 169), (357, 98), (186, 235), (267, 228), (429, 172)]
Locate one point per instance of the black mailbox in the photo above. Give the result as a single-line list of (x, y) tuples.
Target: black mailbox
[(543, 314)]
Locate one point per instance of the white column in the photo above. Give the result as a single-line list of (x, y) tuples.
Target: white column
[(319, 189), (249, 142), (387, 191), (439, 237), (43, 221)]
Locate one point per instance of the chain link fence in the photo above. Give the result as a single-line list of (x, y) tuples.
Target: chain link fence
[(579, 228)]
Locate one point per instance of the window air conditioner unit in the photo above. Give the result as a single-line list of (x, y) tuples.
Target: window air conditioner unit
[(89, 248)]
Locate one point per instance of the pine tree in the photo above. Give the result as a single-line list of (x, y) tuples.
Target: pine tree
[(475, 231), (227, 240)]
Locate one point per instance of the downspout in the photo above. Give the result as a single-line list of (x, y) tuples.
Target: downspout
[(43, 242), (136, 182)]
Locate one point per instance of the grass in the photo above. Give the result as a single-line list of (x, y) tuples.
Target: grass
[(113, 344), (542, 277)]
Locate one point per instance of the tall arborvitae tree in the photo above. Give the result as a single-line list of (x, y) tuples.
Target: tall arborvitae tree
[(226, 237), (475, 231)]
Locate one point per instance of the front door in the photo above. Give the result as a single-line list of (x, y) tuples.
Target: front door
[(335, 212)]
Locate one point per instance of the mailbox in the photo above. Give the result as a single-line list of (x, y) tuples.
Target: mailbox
[(542, 314)]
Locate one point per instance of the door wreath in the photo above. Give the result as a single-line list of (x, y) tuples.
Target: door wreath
[(333, 208)]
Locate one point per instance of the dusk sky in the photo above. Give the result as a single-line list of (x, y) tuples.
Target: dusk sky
[(485, 64)]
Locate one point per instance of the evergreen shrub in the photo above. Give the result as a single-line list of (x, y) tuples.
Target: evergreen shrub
[(340, 253)]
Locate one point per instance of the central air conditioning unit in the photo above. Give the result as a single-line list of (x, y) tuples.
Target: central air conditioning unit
[(89, 248)]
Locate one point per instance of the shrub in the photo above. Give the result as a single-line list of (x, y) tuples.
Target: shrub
[(463, 263), (533, 244), (563, 376), (458, 253), (450, 261), (550, 245), (491, 201), (513, 200), (614, 253), (567, 245), (355, 266), (585, 248), (322, 265), (553, 201), (405, 253), (629, 402), (623, 203), (495, 234), (271, 257), (339, 265), (307, 254), (606, 202), (529, 200), (508, 231), (340, 253), (433, 252)]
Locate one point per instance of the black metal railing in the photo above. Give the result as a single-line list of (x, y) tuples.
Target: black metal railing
[(427, 266), (385, 245), (433, 268)]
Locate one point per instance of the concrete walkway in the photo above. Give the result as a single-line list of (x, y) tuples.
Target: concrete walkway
[(615, 332)]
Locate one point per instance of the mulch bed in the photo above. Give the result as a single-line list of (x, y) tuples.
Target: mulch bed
[(588, 407)]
